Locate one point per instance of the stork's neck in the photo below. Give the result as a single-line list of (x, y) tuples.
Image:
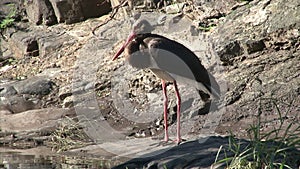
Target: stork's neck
[(137, 54)]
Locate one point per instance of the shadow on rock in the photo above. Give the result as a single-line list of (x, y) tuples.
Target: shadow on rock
[(198, 153), (202, 153)]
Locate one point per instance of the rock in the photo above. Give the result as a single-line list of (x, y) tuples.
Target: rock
[(34, 86), (38, 85), (95, 8), (175, 8), (17, 104), (203, 154), (194, 31), (238, 43), (50, 41), (262, 57), (8, 91), (51, 72), (64, 92), (160, 20), (40, 43), (40, 12), (4, 111), (71, 11), (229, 50), (50, 12), (21, 44), (252, 23), (34, 120), (5, 68), (254, 46), (67, 12), (68, 102)]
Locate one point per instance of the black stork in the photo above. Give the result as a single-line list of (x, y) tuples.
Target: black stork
[(171, 62)]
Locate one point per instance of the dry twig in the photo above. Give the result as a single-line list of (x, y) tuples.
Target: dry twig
[(112, 15)]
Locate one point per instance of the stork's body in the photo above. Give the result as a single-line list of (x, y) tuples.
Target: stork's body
[(168, 60)]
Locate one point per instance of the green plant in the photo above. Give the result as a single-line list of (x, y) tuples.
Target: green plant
[(207, 28), (274, 149), (9, 19), (6, 23)]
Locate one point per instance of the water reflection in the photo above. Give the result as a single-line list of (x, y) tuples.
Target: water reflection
[(12, 160)]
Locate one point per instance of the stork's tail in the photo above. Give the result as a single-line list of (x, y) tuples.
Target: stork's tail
[(211, 89)]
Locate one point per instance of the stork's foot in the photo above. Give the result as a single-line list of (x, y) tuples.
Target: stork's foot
[(178, 141), (171, 141), (164, 141)]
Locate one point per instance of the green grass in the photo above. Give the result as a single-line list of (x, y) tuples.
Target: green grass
[(278, 148), (9, 19)]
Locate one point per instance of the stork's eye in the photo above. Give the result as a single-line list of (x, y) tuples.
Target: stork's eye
[(135, 27)]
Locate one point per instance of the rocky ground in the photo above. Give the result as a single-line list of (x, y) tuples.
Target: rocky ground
[(64, 71)]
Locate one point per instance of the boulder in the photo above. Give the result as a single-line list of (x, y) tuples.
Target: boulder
[(34, 86), (25, 44), (20, 44), (33, 120), (40, 12), (7, 90), (19, 96), (50, 12), (70, 11), (17, 104)]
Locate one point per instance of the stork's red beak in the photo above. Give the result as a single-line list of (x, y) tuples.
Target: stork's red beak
[(129, 39)]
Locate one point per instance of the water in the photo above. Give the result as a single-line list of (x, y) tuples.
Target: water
[(14, 160), (17, 161)]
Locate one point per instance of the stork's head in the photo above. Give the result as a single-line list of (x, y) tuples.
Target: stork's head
[(142, 27), (139, 27)]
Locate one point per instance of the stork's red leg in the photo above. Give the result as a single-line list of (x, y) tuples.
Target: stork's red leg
[(178, 112), (165, 109)]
